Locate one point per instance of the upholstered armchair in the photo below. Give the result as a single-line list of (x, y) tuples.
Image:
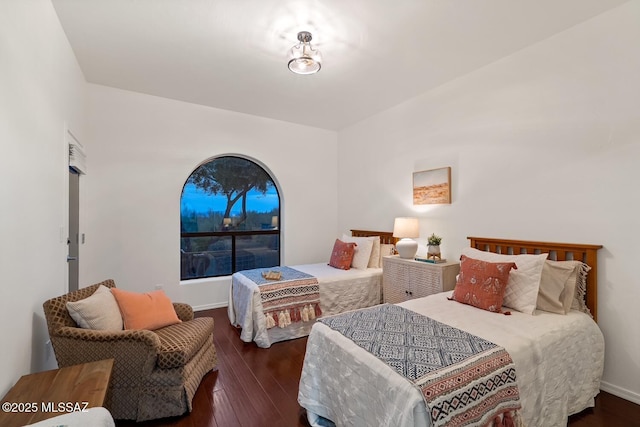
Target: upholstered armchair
[(155, 374)]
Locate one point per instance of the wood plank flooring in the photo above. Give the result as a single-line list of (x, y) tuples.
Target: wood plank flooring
[(256, 387)]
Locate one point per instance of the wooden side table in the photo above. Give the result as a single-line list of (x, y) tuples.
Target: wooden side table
[(44, 395), (405, 279)]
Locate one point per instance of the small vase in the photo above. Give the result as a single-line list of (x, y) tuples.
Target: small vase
[(433, 251)]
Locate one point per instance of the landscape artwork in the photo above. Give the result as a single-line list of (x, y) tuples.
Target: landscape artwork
[(432, 186)]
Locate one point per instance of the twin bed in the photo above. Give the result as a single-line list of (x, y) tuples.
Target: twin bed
[(558, 358), (339, 291)]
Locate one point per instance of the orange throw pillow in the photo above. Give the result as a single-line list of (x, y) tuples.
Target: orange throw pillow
[(151, 310), (342, 254), (482, 284)]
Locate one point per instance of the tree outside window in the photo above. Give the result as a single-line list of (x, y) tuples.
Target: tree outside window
[(229, 219)]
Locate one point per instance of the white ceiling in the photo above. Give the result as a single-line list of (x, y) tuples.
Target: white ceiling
[(231, 54)]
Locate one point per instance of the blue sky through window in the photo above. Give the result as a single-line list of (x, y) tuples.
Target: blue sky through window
[(194, 199)]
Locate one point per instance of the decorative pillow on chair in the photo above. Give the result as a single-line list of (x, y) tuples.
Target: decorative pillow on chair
[(342, 255), (99, 311), (362, 258), (151, 310), (482, 284), (522, 292)]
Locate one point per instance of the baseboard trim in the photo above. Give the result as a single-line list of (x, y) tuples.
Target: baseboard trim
[(620, 392), (210, 306)]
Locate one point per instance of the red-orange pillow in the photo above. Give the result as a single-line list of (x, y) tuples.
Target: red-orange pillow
[(342, 254), (482, 284), (151, 310)]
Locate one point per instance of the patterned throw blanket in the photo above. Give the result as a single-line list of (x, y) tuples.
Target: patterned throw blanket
[(293, 298), (464, 380)]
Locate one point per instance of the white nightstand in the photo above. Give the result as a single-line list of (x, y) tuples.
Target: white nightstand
[(405, 279)]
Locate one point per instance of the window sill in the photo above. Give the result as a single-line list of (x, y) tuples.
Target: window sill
[(212, 280)]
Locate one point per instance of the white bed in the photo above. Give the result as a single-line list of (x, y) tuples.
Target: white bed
[(558, 358), (340, 290)]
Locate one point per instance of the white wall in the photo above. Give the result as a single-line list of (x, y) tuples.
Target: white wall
[(41, 87), (141, 149), (543, 145)]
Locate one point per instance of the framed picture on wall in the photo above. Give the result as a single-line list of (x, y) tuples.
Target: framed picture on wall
[(432, 186)]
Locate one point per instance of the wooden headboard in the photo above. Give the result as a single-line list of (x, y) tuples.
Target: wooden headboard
[(557, 252), (385, 236)]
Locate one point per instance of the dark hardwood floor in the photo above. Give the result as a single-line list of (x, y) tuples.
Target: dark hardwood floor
[(256, 387)]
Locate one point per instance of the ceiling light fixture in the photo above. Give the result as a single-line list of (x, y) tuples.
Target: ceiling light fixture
[(303, 59)]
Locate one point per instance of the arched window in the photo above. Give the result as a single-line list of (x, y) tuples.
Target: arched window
[(229, 219)]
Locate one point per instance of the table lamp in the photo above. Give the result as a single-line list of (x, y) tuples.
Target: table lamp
[(406, 229)]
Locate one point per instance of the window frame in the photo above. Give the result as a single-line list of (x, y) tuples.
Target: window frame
[(234, 234)]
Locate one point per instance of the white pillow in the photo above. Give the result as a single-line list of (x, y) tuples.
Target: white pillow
[(99, 311), (524, 282), (363, 250), (374, 259), (386, 249)]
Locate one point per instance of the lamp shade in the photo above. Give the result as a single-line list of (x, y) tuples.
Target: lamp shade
[(405, 227)]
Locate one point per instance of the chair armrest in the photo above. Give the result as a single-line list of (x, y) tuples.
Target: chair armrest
[(184, 311), (135, 351), (142, 335)]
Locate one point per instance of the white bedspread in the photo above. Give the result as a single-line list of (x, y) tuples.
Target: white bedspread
[(340, 290), (559, 361)]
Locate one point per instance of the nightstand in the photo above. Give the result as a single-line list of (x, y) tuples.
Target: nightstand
[(405, 279), (43, 395)]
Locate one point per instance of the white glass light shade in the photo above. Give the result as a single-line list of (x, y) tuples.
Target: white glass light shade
[(304, 59), (406, 229)]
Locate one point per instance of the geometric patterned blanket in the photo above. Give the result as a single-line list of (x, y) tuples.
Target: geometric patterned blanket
[(293, 298), (464, 379)]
